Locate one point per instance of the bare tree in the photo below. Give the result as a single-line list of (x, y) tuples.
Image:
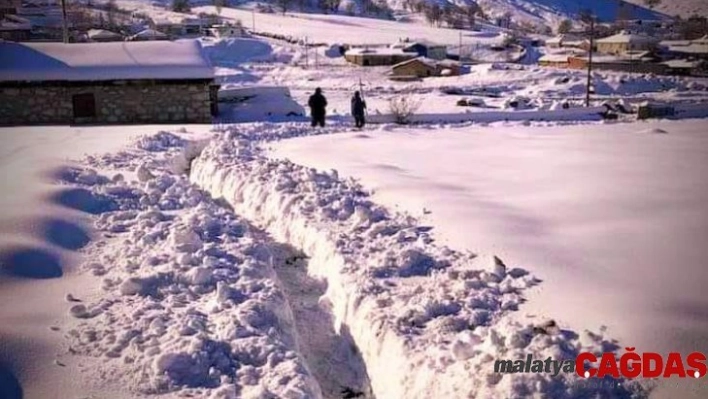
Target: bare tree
[(453, 16), (564, 26), (471, 11), (403, 108), (433, 14)]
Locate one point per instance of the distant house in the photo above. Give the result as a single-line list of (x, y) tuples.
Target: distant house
[(378, 57), (637, 62), (626, 41), (220, 31), (102, 35), (418, 67), (687, 67), (148, 35), (425, 67), (568, 41), (105, 83), (686, 48), (424, 48)]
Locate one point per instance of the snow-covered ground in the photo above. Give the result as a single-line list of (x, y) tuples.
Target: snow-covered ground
[(612, 217)]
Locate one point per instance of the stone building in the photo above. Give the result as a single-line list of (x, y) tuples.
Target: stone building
[(105, 83), (378, 57), (422, 67)]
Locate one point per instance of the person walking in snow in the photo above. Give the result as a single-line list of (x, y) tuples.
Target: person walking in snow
[(318, 108), (358, 107)]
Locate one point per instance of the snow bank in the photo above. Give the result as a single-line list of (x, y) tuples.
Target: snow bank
[(190, 304), (428, 321)]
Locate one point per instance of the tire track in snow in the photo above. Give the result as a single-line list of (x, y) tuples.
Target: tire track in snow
[(333, 357)]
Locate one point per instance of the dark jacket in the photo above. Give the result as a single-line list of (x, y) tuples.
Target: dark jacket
[(317, 104), (358, 106)]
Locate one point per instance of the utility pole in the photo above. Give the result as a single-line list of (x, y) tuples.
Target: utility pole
[(592, 45), (253, 20), (65, 27), (459, 51)]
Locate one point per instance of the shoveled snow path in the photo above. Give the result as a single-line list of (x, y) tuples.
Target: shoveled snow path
[(333, 358), (425, 318)]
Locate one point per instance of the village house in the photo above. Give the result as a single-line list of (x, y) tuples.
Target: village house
[(686, 48), (423, 48), (378, 57), (633, 62), (568, 41), (625, 41), (105, 83), (226, 30), (422, 67), (687, 67)]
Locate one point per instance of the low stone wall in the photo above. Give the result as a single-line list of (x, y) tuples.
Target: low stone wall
[(116, 103)]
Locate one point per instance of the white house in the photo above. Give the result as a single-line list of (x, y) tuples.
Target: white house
[(626, 41)]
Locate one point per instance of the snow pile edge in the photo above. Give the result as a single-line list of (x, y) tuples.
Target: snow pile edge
[(428, 321)]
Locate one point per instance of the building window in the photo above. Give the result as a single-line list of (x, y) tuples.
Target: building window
[(84, 105)]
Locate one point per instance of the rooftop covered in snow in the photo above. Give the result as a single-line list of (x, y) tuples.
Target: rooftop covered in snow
[(627, 37), (103, 61)]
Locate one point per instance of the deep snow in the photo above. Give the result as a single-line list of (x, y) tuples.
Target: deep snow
[(423, 316), (612, 217)]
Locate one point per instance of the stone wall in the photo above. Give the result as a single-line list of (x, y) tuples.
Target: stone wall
[(127, 103)]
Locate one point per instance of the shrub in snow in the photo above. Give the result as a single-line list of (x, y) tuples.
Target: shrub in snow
[(403, 108)]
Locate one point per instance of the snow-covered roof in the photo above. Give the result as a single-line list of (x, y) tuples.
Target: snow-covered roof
[(426, 61), (103, 61), (627, 37), (694, 48), (102, 34), (378, 51), (423, 42), (683, 64), (150, 33), (565, 38)]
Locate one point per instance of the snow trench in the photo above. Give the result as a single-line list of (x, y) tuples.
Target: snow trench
[(427, 321)]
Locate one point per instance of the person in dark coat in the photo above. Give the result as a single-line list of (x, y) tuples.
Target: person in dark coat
[(318, 108), (358, 107)]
